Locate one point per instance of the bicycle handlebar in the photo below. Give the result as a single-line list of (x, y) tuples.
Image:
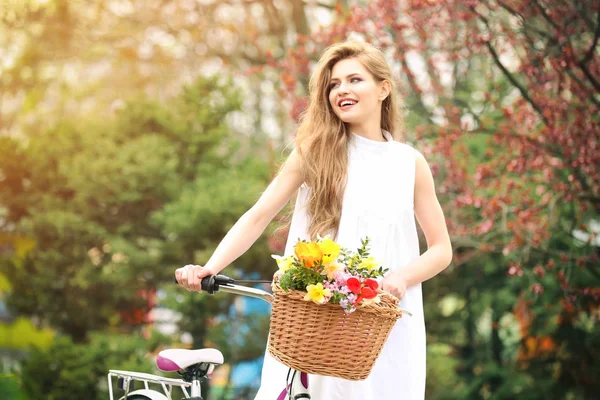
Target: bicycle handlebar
[(215, 283), (211, 284)]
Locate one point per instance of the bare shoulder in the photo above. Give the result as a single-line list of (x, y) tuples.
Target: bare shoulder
[(424, 183), (421, 164), (292, 169)]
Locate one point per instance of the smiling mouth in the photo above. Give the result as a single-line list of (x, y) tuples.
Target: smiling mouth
[(346, 104)]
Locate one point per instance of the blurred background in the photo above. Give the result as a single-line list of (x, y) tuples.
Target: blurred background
[(134, 133)]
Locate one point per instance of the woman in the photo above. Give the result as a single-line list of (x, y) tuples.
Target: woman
[(355, 178)]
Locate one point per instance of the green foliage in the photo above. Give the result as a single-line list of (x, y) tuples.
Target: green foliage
[(68, 370), (206, 208), (64, 371), (112, 207), (100, 199), (299, 277), (442, 365), (21, 333), (10, 389)]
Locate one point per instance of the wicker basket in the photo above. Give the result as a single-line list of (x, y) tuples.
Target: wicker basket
[(324, 340)]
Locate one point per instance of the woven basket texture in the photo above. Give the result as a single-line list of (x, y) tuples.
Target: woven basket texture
[(324, 340)]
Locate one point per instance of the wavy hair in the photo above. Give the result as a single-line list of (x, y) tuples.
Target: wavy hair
[(322, 138)]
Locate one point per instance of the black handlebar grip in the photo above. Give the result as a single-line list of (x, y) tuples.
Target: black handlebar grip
[(210, 284)]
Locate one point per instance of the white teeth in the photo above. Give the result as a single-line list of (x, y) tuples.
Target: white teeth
[(347, 103)]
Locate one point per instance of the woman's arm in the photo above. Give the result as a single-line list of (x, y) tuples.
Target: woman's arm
[(250, 225), (431, 220)]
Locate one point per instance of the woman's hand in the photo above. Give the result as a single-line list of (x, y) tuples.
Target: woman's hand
[(190, 276), (395, 284)]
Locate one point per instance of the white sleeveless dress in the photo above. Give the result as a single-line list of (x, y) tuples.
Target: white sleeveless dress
[(378, 203)]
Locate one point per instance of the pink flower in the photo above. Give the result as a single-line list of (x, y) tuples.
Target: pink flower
[(341, 277), (331, 286)]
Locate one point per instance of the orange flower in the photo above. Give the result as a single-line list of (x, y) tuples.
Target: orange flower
[(309, 254)]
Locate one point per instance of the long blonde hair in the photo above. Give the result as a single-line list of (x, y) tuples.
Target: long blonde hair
[(322, 138)]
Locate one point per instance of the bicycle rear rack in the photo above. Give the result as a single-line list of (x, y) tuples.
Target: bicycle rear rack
[(129, 377)]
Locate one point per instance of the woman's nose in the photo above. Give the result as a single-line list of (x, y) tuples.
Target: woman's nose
[(342, 88)]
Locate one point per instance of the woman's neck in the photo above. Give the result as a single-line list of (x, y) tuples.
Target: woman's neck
[(370, 130)]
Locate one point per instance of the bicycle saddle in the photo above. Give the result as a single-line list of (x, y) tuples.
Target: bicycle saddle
[(177, 359)]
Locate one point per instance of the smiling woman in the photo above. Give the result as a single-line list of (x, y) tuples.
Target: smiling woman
[(354, 178)]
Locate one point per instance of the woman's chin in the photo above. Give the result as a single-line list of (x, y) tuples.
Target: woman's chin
[(351, 119)]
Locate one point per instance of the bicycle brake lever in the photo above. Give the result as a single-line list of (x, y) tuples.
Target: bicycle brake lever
[(222, 280)]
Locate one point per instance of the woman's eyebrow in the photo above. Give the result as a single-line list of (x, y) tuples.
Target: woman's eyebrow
[(347, 76)]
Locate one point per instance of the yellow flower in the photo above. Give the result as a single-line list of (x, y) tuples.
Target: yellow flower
[(368, 263), (330, 249), (317, 293), (284, 263), (309, 254), (331, 268)]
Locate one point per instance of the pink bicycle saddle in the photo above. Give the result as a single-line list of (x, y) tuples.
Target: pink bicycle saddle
[(176, 359)]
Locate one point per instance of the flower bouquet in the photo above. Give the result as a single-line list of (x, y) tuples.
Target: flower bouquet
[(327, 301), (330, 274)]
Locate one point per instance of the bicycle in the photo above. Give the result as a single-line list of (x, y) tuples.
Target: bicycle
[(195, 365)]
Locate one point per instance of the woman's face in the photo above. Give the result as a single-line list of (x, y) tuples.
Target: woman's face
[(354, 94)]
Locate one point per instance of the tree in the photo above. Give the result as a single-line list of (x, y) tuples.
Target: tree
[(87, 193)]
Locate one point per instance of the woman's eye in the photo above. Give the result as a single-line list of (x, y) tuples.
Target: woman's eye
[(333, 85), (355, 80)]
